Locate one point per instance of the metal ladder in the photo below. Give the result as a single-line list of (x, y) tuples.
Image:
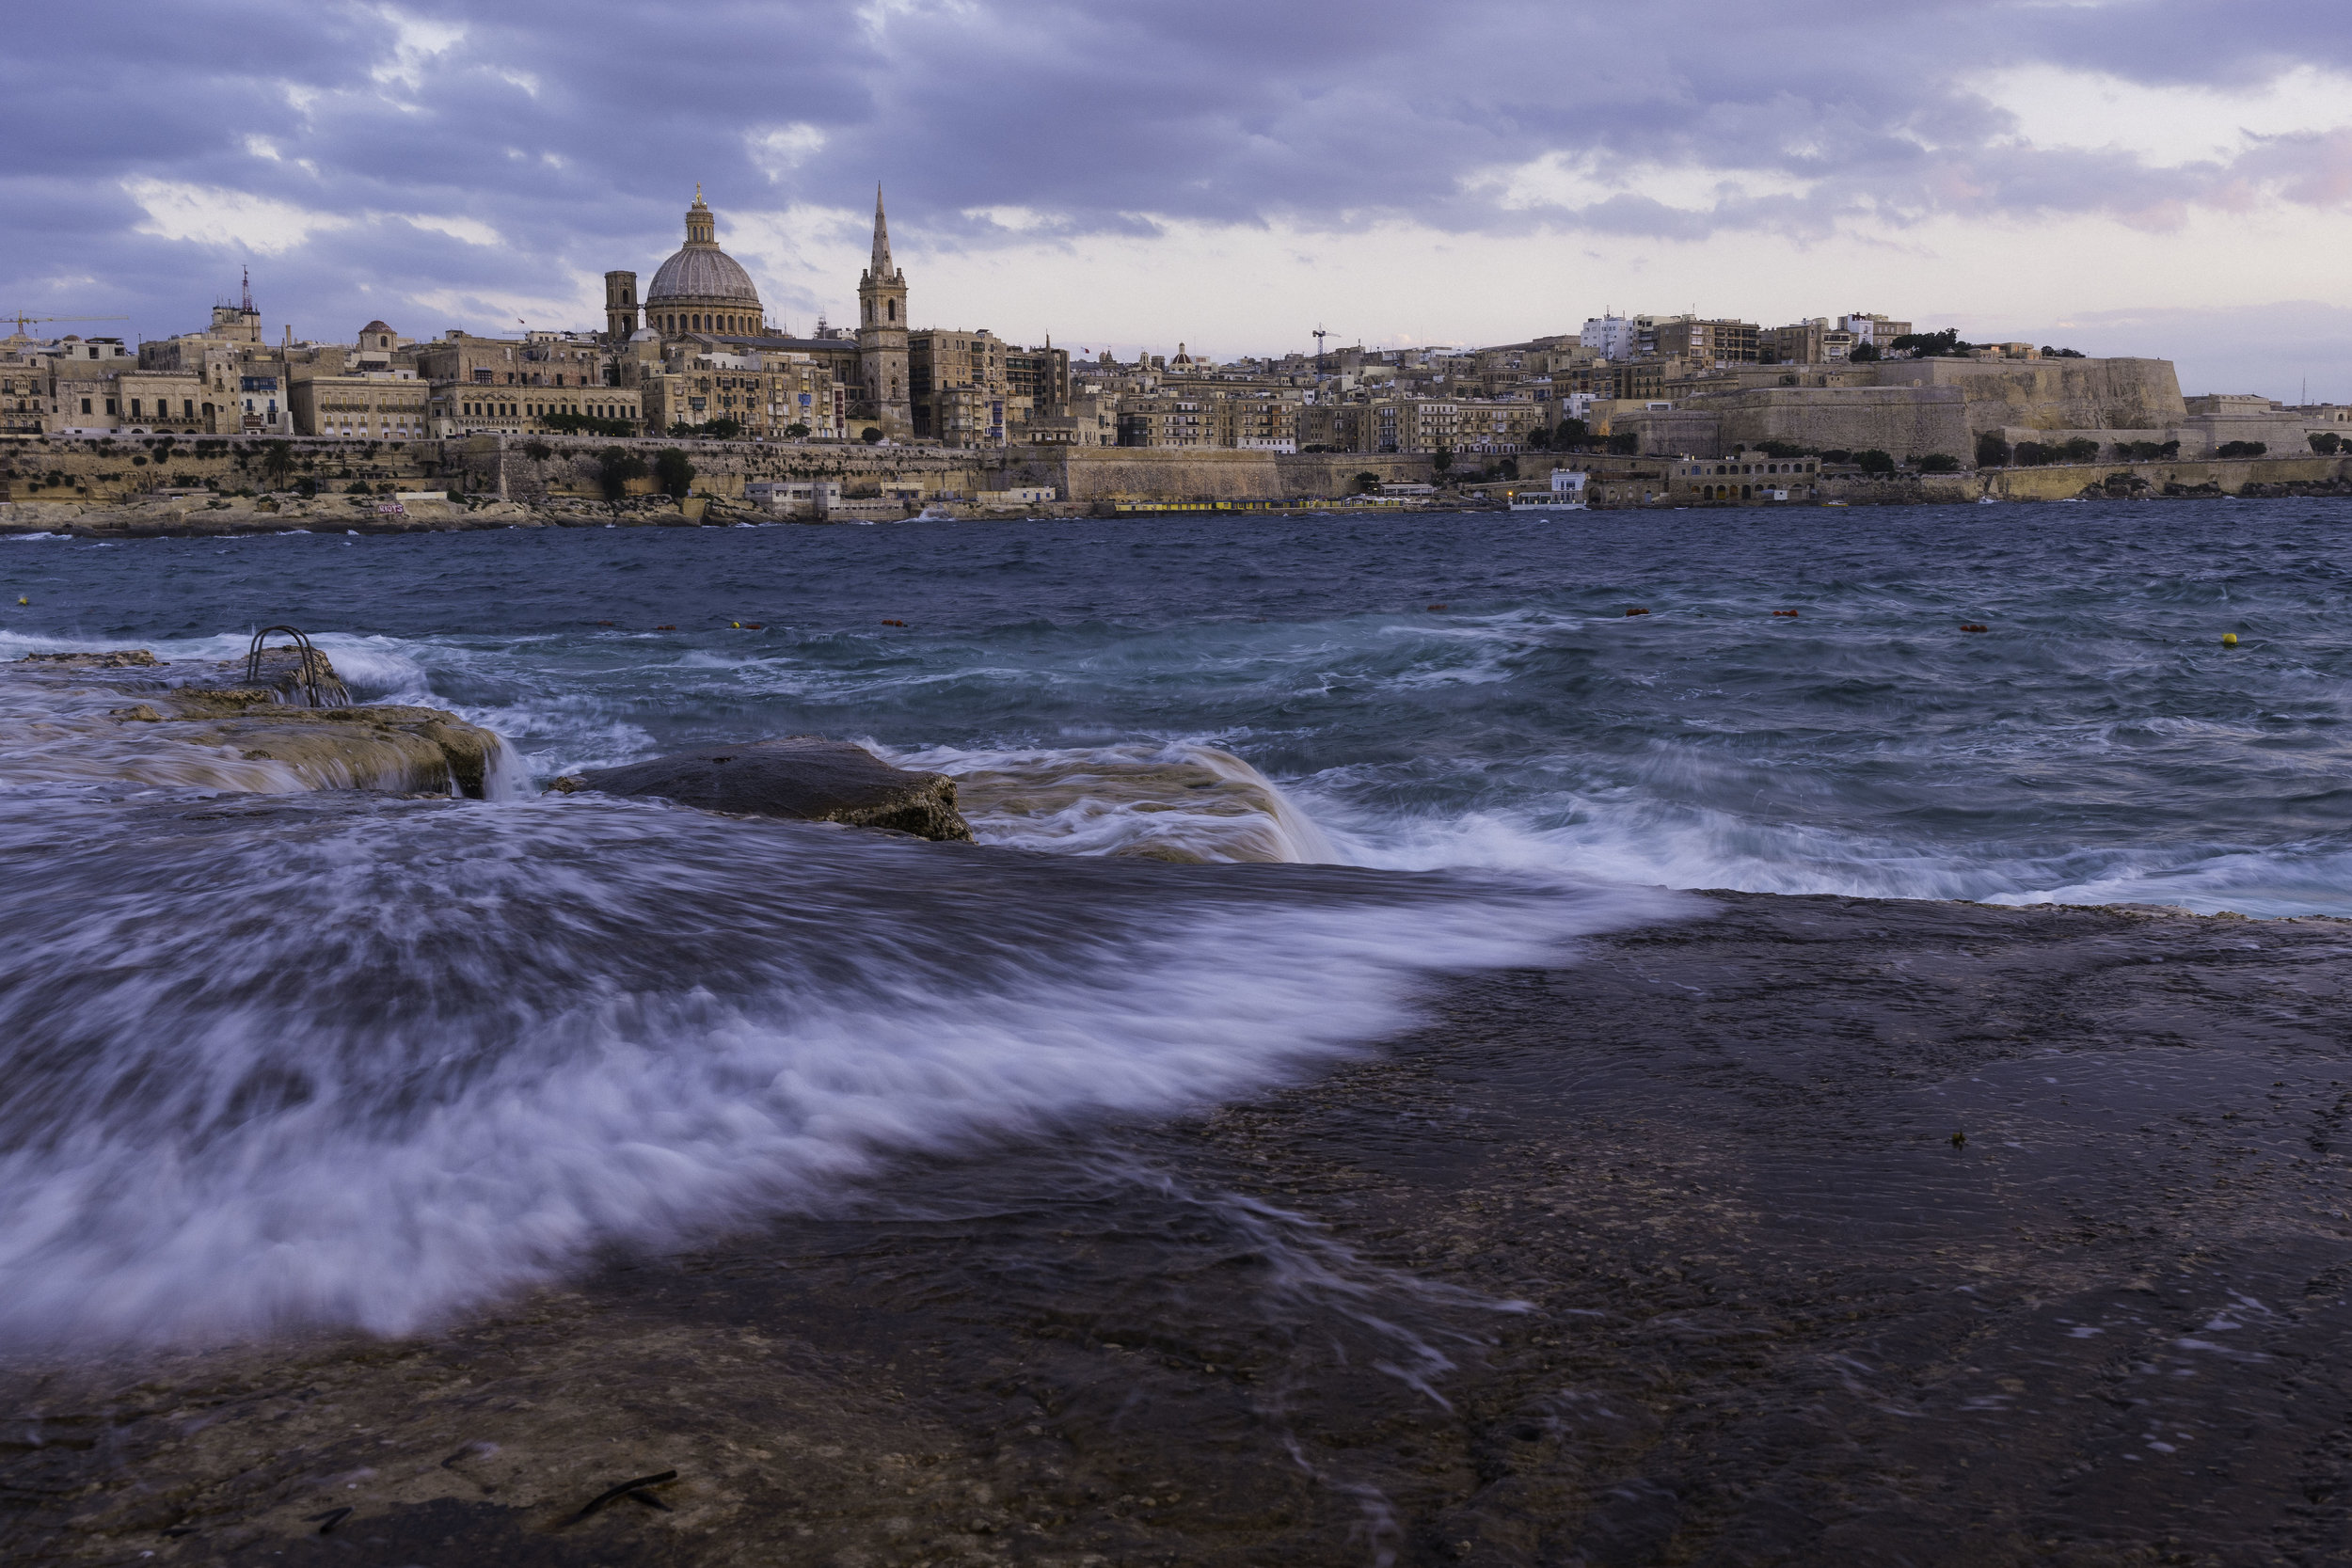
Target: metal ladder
[(316, 691)]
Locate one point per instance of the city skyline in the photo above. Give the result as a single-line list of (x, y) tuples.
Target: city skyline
[(2126, 178)]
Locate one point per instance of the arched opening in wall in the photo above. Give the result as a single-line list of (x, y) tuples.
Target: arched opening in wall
[(894, 309)]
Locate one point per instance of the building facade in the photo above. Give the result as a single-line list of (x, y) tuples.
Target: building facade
[(378, 405)]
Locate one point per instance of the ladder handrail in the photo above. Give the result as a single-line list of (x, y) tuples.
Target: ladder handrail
[(312, 660)]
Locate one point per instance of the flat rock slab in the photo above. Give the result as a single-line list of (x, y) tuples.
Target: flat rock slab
[(1663, 1257), (803, 777)]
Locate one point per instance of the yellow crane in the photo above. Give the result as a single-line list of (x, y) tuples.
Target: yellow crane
[(22, 320)]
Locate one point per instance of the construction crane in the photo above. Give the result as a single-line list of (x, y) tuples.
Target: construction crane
[(21, 318), (1320, 334)]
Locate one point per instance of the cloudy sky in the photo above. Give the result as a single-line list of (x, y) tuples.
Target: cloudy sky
[(2160, 176)]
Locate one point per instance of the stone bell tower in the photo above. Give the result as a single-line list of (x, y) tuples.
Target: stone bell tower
[(620, 306), (881, 335)]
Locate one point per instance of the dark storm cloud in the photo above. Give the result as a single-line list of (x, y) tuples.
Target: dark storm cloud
[(573, 132)]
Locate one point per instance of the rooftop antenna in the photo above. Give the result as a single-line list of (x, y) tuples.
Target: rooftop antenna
[(245, 290)]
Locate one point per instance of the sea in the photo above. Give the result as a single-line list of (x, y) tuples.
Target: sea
[(1247, 788)]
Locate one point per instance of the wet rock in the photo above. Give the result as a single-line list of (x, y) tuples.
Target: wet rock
[(409, 750), (118, 659), (801, 777), (205, 724), (1667, 1256)]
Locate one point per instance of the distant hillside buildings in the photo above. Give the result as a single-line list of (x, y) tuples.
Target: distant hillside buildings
[(696, 354)]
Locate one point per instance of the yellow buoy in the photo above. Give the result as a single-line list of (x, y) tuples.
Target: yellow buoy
[(2228, 640), (22, 599)]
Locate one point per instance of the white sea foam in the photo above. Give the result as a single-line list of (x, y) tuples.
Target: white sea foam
[(370, 1070), (1180, 800)]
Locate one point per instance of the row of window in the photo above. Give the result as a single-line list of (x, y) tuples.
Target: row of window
[(696, 321), (542, 410)]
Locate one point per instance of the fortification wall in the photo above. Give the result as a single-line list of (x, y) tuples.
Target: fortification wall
[(1671, 432), (2051, 394), (126, 468), (490, 465), (1905, 422), (1085, 474), (2064, 481)]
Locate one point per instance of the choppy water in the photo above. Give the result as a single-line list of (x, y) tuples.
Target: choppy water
[(278, 1058)]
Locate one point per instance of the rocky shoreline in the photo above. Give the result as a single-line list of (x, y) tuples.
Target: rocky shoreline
[(1810, 1229), (230, 515)]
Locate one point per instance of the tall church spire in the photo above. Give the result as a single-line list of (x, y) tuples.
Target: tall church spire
[(882, 239)]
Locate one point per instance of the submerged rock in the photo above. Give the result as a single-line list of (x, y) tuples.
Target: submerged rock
[(801, 777), (116, 658)]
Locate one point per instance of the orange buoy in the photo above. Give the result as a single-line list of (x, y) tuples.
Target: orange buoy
[(665, 628), (1636, 611), (1970, 625), (1790, 613), (894, 622)]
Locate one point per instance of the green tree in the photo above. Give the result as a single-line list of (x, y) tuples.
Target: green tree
[(871, 434), (1939, 462), (1441, 460), (675, 474), (1927, 346), (615, 468), (2030, 454), (2082, 449), (1626, 443), (1572, 434), (1992, 452), (1862, 353), (1874, 462), (796, 431), (2326, 442), (358, 487), (538, 451), (1367, 484), (2242, 448), (277, 462)]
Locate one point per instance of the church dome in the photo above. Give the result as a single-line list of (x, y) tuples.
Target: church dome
[(698, 273), (702, 288)]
